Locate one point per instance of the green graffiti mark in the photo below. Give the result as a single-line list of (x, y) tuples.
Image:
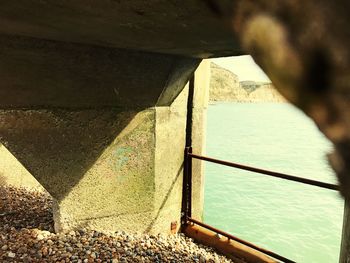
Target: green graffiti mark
[(122, 157)]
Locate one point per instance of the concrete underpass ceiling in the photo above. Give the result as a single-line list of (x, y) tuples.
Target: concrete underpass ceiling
[(187, 28)]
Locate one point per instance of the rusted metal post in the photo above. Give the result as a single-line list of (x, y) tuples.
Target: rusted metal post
[(187, 187), (345, 243), (189, 160), (184, 189), (187, 174)]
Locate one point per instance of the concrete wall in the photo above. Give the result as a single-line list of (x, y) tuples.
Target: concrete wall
[(170, 138), (117, 191), (101, 130), (93, 105), (136, 183)]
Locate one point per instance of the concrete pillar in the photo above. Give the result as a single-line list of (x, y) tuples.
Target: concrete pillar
[(199, 123), (103, 130)]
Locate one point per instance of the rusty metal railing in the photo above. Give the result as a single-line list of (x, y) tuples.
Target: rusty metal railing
[(187, 195)]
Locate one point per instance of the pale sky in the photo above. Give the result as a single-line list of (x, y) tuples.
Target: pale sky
[(243, 66)]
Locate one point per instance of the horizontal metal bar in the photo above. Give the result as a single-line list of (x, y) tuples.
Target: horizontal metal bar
[(267, 172), (229, 236)]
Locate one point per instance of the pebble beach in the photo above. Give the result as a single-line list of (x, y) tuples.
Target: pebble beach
[(27, 235)]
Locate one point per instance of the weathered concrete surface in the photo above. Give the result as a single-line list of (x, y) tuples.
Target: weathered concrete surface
[(92, 116), (99, 128), (173, 27), (107, 169), (13, 173), (59, 146), (199, 122), (44, 74), (117, 190), (170, 137)]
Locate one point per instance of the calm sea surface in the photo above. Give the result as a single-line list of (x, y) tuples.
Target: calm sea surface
[(298, 221)]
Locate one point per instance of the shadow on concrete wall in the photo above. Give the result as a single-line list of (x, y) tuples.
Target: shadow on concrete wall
[(57, 146)]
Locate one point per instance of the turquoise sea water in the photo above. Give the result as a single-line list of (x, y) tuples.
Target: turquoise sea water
[(295, 220)]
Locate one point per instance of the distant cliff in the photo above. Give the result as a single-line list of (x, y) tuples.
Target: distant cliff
[(225, 86)]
